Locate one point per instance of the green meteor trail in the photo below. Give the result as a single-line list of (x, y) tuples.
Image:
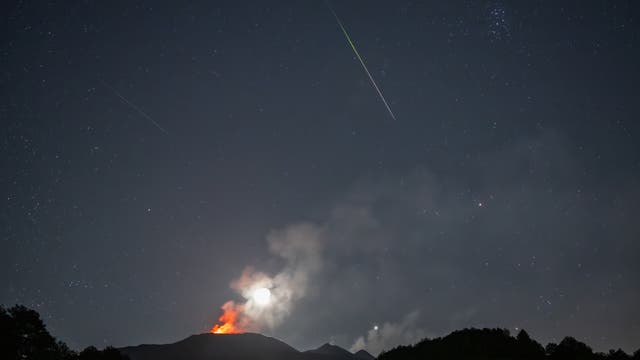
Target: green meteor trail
[(364, 66)]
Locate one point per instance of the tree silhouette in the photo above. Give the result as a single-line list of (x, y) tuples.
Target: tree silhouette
[(109, 353), (23, 335), (618, 355), (529, 348), (498, 344), (570, 348)]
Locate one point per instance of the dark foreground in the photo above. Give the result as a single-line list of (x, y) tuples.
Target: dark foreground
[(23, 335)]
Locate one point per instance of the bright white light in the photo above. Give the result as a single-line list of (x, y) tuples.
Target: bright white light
[(262, 296), (375, 327)]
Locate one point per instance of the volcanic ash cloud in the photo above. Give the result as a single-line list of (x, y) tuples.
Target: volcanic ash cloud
[(269, 299)]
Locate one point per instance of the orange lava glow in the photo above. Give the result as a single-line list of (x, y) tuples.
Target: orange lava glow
[(229, 322)]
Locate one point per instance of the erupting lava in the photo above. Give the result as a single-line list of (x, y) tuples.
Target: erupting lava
[(267, 300), (229, 321)]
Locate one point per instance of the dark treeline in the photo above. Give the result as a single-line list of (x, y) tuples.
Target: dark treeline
[(23, 335), (498, 344)]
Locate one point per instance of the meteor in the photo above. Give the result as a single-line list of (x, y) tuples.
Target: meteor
[(364, 66), (133, 106)]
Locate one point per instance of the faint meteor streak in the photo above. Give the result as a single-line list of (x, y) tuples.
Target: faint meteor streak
[(373, 82), (133, 106)]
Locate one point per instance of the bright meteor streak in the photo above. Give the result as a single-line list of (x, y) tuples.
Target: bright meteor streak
[(373, 82)]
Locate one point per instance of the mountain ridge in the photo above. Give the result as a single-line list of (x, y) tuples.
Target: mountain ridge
[(236, 347), (333, 351)]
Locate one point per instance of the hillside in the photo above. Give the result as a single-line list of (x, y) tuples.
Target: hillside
[(235, 347)]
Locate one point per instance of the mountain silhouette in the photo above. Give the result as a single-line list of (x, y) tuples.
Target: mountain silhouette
[(363, 355), (328, 351), (246, 346)]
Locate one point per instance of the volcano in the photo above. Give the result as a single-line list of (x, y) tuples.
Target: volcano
[(328, 351), (247, 346)]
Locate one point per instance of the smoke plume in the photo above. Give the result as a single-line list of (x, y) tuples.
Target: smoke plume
[(300, 247), (390, 335)]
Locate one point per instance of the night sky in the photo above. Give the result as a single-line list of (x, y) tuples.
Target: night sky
[(151, 151)]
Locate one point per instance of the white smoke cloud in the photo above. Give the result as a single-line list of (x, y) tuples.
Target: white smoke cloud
[(390, 335), (300, 246)]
